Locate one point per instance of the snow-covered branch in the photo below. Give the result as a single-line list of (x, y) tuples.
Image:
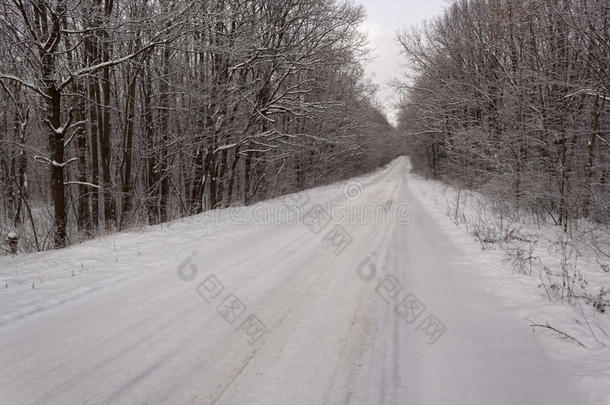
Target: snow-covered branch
[(53, 162)]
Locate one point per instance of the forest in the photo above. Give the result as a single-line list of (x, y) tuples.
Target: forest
[(117, 115), (512, 98)]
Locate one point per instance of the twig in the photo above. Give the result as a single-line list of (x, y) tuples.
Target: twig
[(544, 285), (587, 322), (547, 326)]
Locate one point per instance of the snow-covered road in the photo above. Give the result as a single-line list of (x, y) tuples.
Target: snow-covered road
[(233, 309)]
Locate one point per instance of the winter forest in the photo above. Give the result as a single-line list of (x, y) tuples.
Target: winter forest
[(122, 114), (512, 98), (305, 202)]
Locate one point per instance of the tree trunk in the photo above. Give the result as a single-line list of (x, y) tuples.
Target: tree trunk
[(56, 146), (590, 159), (127, 152)]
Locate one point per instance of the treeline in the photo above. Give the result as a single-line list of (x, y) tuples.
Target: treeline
[(512, 97), (116, 114)]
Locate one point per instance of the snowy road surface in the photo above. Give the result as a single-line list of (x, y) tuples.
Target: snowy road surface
[(236, 310)]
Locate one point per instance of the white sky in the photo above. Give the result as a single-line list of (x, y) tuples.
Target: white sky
[(384, 19)]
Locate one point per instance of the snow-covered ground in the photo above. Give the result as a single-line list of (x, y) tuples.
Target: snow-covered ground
[(532, 296), (362, 292)]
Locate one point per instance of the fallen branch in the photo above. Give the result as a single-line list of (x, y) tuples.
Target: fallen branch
[(561, 333), (82, 183)]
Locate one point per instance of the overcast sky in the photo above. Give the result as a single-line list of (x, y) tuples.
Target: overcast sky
[(384, 19)]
